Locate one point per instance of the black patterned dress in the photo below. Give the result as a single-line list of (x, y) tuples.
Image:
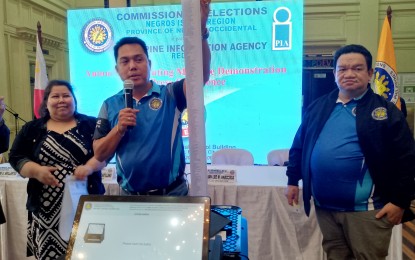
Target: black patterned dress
[(64, 151)]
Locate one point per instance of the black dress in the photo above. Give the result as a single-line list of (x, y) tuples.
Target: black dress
[(64, 151)]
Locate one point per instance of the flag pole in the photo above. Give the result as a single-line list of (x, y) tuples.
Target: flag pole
[(389, 14), (41, 77), (39, 34)]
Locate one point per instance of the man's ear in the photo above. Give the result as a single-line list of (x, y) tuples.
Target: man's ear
[(371, 73)]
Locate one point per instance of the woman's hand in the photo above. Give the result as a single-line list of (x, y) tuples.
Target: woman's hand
[(92, 165), (45, 175), (82, 171)]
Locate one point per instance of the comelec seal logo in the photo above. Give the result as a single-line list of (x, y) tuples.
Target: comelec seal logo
[(97, 35), (386, 81), (380, 113), (155, 103), (88, 205)]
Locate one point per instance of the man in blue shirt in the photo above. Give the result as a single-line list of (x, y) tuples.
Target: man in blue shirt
[(150, 155), (355, 153)]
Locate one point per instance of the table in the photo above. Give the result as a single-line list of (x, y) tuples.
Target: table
[(275, 229)]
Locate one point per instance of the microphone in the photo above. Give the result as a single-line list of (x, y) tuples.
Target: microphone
[(128, 95)]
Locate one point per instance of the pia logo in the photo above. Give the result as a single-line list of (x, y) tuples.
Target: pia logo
[(282, 29), (97, 35)]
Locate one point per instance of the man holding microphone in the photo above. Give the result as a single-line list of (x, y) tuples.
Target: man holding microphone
[(145, 134)]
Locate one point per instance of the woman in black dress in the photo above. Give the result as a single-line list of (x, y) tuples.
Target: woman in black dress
[(46, 150)]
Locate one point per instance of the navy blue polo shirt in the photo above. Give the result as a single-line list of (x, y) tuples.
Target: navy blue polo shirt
[(340, 177)]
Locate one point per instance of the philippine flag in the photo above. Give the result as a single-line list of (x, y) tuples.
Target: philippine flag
[(41, 79)]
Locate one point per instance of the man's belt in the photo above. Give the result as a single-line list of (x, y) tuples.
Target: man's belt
[(162, 191)]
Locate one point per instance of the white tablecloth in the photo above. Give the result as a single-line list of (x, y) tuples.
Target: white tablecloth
[(275, 229)]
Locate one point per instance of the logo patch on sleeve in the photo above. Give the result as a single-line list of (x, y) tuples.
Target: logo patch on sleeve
[(380, 113)]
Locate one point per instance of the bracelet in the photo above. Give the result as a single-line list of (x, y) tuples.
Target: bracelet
[(119, 132), (205, 34)]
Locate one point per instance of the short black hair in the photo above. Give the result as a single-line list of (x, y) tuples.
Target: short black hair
[(354, 48), (43, 109), (129, 40)]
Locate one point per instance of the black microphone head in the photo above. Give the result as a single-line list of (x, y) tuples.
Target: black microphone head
[(128, 95), (128, 84)]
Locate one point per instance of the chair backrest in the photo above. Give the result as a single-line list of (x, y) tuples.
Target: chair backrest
[(278, 157), (232, 157)]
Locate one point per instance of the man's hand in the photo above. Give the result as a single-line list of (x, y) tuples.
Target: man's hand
[(126, 117), (393, 213), (292, 194), (204, 13)]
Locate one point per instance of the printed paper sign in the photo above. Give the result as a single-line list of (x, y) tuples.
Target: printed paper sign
[(221, 176)]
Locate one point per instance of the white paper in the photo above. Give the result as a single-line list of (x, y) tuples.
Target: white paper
[(222, 176), (7, 171), (74, 189), (109, 174)]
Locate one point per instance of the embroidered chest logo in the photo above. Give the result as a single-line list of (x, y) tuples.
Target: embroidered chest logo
[(379, 113), (354, 111), (155, 103)]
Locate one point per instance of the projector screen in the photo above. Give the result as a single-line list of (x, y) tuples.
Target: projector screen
[(254, 95)]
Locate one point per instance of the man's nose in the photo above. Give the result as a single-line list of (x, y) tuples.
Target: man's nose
[(349, 72), (132, 65)]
